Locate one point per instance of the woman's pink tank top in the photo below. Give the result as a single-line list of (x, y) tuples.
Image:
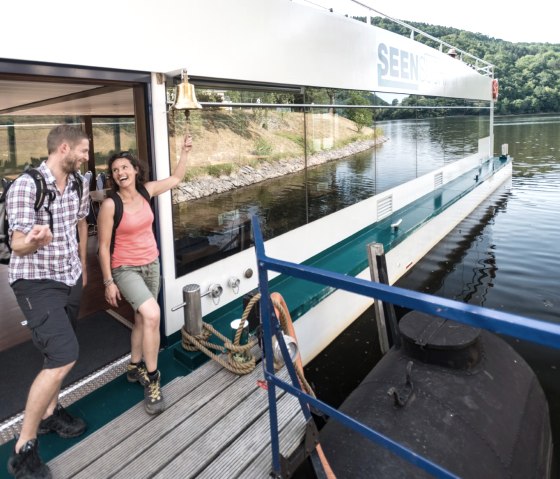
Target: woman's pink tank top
[(135, 244)]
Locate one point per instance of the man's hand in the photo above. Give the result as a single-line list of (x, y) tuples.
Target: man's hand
[(40, 235)]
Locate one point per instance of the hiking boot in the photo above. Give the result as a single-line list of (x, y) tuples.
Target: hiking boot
[(61, 422), (26, 464), (137, 373), (153, 400)]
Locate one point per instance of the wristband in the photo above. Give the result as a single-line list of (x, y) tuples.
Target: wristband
[(108, 282)]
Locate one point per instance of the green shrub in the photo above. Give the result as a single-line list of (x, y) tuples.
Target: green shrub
[(219, 170), (263, 147)]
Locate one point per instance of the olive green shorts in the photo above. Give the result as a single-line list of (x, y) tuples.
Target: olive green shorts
[(137, 284)]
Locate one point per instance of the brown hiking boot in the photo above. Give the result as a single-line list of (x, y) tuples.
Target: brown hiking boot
[(153, 400), (137, 373)]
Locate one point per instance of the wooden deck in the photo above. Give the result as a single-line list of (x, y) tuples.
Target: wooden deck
[(216, 425)]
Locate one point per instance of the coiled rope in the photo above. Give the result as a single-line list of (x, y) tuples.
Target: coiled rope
[(240, 360)]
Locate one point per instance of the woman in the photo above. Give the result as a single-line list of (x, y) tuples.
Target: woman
[(131, 268)]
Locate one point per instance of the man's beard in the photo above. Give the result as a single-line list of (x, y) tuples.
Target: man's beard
[(71, 163)]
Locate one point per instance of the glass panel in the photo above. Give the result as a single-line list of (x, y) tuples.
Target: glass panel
[(290, 165), (23, 141)]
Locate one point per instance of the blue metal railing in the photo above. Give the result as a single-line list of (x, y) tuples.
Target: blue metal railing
[(541, 332)]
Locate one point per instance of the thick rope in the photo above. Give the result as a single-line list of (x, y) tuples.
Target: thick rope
[(239, 359)]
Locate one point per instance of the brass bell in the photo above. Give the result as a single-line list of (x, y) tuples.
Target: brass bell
[(185, 98)]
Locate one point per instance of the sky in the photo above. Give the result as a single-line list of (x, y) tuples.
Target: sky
[(534, 21)]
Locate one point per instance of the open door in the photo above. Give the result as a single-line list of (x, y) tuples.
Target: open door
[(113, 113)]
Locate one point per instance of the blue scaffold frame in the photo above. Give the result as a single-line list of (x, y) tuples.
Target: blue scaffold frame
[(527, 329)]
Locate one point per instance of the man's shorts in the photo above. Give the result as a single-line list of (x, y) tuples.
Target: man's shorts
[(51, 310), (138, 283)]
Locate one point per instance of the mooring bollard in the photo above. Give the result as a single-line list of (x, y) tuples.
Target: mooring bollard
[(192, 309)]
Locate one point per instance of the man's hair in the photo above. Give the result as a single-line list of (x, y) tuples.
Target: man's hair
[(64, 134)]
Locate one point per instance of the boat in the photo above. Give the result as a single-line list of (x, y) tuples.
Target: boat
[(140, 74)]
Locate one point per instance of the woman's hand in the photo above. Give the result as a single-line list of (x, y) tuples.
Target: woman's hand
[(112, 294), (187, 143)]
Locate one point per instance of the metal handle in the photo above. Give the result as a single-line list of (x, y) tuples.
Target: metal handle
[(233, 283), (214, 291)]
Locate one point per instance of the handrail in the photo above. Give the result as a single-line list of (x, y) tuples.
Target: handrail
[(537, 331), (487, 68)]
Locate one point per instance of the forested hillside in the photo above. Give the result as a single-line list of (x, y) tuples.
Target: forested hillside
[(528, 73)]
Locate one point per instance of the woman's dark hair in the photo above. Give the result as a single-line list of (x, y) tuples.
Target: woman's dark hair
[(133, 161)]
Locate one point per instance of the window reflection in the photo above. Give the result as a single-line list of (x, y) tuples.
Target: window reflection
[(23, 141), (111, 135), (294, 157)]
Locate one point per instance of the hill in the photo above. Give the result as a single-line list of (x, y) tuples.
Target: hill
[(528, 73)]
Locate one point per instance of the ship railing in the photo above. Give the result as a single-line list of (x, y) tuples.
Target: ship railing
[(481, 66), (527, 329)]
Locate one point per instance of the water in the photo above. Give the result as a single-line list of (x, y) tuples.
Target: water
[(415, 147), (505, 256)]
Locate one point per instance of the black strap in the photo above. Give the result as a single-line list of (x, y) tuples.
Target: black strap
[(42, 193), (119, 210), (78, 185)]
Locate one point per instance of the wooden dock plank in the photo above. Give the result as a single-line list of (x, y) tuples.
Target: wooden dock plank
[(192, 429), (70, 462), (233, 461), (138, 443), (202, 452), (290, 438), (215, 424)]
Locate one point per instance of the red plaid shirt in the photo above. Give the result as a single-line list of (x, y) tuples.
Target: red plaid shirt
[(59, 260)]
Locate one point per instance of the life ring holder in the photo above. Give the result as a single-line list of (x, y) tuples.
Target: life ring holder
[(495, 89)]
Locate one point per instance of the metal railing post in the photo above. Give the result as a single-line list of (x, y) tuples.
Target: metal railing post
[(384, 312), (265, 312)]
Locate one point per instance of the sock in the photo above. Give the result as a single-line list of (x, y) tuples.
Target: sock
[(152, 375)]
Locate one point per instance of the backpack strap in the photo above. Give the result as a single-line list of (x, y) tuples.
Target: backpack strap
[(40, 186), (144, 192), (117, 217), (42, 193), (78, 186), (119, 210)]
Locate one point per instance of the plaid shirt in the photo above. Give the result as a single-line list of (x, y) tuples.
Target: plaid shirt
[(59, 260)]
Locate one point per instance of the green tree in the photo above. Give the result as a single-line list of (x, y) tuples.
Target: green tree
[(360, 116)]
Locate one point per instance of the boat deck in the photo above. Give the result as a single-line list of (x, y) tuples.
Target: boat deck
[(216, 425)]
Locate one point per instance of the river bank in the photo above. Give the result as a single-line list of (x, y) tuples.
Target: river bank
[(247, 175)]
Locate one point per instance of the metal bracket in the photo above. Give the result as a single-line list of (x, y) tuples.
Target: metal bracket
[(233, 283), (289, 465), (401, 397)]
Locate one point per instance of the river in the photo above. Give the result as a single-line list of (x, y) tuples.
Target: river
[(505, 256)]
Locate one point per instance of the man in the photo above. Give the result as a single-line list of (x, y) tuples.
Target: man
[(47, 273)]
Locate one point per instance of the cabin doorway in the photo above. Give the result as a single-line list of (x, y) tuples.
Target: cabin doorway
[(111, 107)]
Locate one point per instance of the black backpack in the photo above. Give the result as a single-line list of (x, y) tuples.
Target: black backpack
[(41, 194), (119, 210)]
